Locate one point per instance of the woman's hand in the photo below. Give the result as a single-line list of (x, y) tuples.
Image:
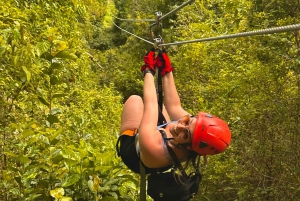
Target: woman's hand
[(149, 60), (162, 61)]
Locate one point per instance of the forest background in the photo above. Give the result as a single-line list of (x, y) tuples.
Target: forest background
[(66, 70)]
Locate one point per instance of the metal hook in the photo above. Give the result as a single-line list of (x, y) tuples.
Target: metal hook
[(156, 30)]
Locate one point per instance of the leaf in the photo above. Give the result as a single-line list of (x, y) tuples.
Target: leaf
[(105, 157), (61, 44), (23, 159), (56, 111), (57, 193), (58, 95), (94, 185), (54, 80), (71, 180), (47, 56), (103, 168), (32, 176), (16, 126), (32, 140), (79, 120), (109, 199), (67, 152), (27, 133), (28, 74), (10, 154), (56, 159), (52, 119), (15, 191), (44, 183), (112, 181), (2, 50), (123, 191), (127, 197), (65, 199), (66, 55), (56, 66), (42, 100), (54, 141), (44, 139), (55, 134), (115, 195), (70, 163), (33, 196), (130, 184), (42, 47)]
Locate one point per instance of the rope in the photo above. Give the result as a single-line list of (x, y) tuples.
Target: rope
[(281, 29)]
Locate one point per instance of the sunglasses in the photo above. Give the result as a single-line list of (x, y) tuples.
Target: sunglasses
[(186, 120)]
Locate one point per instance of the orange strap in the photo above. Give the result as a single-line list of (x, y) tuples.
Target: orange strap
[(130, 132)]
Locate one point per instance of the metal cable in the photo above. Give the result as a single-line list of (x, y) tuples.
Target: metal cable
[(134, 20), (133, 34), (151, 20), (243, 34), (176, 9)]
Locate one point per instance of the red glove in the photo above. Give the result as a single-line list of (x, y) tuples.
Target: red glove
[(162, 61), (149, 60)]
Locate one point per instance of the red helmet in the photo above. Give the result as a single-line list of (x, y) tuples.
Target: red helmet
[(211, 135)]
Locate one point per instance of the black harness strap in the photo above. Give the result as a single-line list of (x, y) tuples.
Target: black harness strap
[(161, 120), (159, 87), (173, 155), (142, 182)]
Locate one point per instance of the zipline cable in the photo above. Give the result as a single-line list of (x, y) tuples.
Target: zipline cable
[(134, 20), (281, 29), (159, 18), (176, 9), (133, 34), (151, 20)]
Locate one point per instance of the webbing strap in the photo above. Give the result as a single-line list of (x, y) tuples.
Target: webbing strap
[(173, 155), (130, 132), (142, 182), (159, 88), (161, 120)]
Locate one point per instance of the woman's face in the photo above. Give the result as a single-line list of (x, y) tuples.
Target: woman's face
[(184, 129)]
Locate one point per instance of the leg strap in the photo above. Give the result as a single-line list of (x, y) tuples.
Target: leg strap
[(143, 183), (128, 133)]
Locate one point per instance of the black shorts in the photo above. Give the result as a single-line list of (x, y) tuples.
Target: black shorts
[(128, 154)]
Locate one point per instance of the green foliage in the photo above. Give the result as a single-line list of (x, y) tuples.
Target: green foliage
[(65, 71), (58, 127)]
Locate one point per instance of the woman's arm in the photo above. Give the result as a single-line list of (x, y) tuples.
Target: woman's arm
[(150, 115), (172, 100), (149, 136)]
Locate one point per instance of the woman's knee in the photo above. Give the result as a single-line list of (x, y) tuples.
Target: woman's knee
[(134, 99), (132, 113)]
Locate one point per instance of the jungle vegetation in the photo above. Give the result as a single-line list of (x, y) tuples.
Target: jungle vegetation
[(66, 70)]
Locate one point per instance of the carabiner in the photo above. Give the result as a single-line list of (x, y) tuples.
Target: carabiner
[(156, 30)]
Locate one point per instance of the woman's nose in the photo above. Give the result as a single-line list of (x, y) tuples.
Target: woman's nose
[(185, 120)]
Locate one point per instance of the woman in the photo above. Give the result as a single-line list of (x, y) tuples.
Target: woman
[(141, 138)]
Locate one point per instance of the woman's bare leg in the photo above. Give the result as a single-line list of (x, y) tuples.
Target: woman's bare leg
[(132, 113)]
